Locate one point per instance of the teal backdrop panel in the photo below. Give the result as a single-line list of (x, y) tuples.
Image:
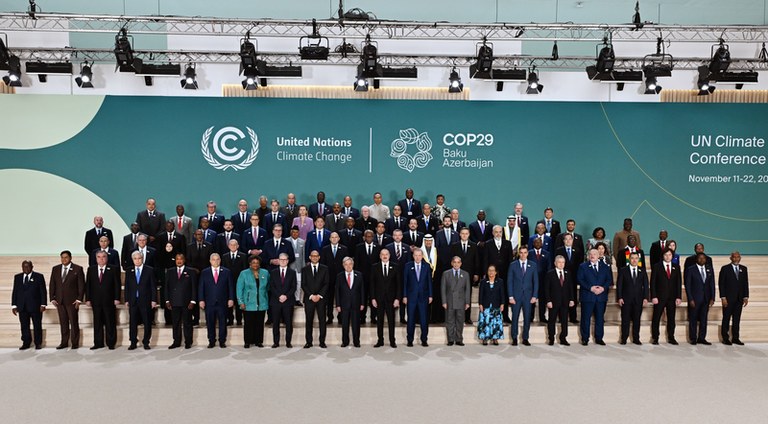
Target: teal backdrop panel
[(697, 170)]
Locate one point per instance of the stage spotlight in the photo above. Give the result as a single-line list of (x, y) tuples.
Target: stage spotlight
[(316, 46), (534, 86), (189, 82), (652, 86), (606, 57), (721, 59), (13, 79), (705, 88), (369, 57), (247, 53), (123, 50), (4, 53), (251, 81), (455, 85), (85, 80), (361, 84), (484, 61)]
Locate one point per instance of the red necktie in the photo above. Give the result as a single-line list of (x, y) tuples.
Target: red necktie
[(216, 276), (662, 245), (101, 274), (669, 273), (349, 280), (178, 274), (282, 276), (562, 278)]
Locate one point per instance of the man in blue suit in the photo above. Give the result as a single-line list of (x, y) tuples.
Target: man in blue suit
[(28, 301), (215, 220), (446, 236), (274, 247), (523, 289), (274, 217), (594, 278), (546, 241), (216, 293), (543, 260), (317, 238), (700, 289), (417, 295), (209, 235), (140, 299), (253, 238)]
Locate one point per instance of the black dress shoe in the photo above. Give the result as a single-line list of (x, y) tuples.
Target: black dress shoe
[(564, 343), (402, 321), (307, 345), (211, 345), (269, 322), (574, 321), (738, 342), (95, 347), (188, 346), (600, 342), (459, 343), (550, 342), (468, 322), (24, 346), (495, 342), (637, 342), (329, 321), (299, 304), (622, 342), (357, 344), (174, 346), (654, 341), (379, 344), (246, 346), (393, 345), (693, 342), (450, 343), (543, 321), (146, 347), (288, 346), (424, 344), (323, 346), (526, 342), (275, 346), (673, 342), (132, 346), (704, 342), (409, 344), (75, 347), (61, 346), (514, 342), (222, 344), (260, 345), (584, 342), (38, 347), (485, 342), (344, 344)]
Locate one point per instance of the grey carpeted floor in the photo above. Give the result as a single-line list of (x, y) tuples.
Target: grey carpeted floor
[(649, 384)]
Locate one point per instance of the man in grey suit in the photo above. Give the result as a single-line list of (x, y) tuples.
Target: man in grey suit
[(183, 224), (335, 221), (455, 288), (298, 264)]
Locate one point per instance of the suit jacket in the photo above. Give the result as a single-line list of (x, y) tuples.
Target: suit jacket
[(290, 213), (417, 289), (386, 289), (587, 278), (150, 256), (456, 291), (199, 258), (525, 230), (697, 289), (522, 286), (269, 222), (498, 257), (237, 265), (491, 296), (385, 240), (414, 211), (665, 288), (269, 252), (125, 253), (146, 287), (458, 225), (442, 241), (731, 287), (69, 290), (350, 298), (221, 244), (578, 241), (216, 293), (353, 212), (180, 291), (392, 224), (217, 224), (92, 240), (239, 224), (691, 260), (334, 263), (543, 262), (470, 261), (546, 243), (187, 230), (363, 224), (150, 225), (655, 252), (632, 290), (554, 229), (622, 258), (31, 296), (278, 287), (315, 210), (351, 241), (315, 284), (477, 234), (106, 291), (559, 295), (209, 236), (248, 243), (428, 226), (411, 241), (363, 260), (313, 244), (300, 254), (572, 265), (113, 258), (333, 224)]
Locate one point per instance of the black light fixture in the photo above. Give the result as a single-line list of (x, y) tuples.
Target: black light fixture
[(455, 85), (314, 47), (721, 58), (657, 65), (369, 58), (361, 83), (534, 86), (250, 65), (42, 69), (189, 81), (13, 79), (705, 88), (484, 60), (124, 51), (33, 9), (251, 79), (652, 86), (606, 58), (4, 53), (85, 80), (555, 52)]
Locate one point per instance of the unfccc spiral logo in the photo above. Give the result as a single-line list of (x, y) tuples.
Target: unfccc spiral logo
[(400, 147), (230, 155)]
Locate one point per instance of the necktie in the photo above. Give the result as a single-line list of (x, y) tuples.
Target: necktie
[(397, 251), (314, 270), (562, 278), (669, 273), (322, 209), (233, 256), (662, 245), (350, 232), (447, 236), (170, 236), (98, 231), (397, 221), (349, 280), (242, 217), (274, 218), (569, 253), (418, 271), (455, 274), (254, 235), (518, 220), (320, 238), (334, 251), (464, 248), (178, 273), (26, 279), (413, 236), (227, 237), (138, 279), (199, 247), (179, 221), (215, 276), (133, 240), (409, 205), (206, 235), (482, 227), (736, 271), (101, 274), (538, 255), (522, 265), (64, 273), (385, 270), (703, 274), (595, 267), (381, 240), (277, 245), (369, 250), (282, 276), (634, 273)]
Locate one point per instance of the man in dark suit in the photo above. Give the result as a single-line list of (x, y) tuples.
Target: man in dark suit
[(235, 261), (523, 291), (317, 238), (113, 258), (348, 210), (223, 238), (573, 259), (315, 281), (181, 299), (274, 247), (241, 220), (366, 254), (522, 223), (351, 236), (480, 230), (594, 278), (552, 225), (216, 293), (148, 253), (559, 297), (282, 289), (411, 207), (428, 224), (498, 252), (691, 260), (291, 209), (93, 235), (400, 253), (150, 220), (102, 286), (445, 237), (199, 252), (543, 261), (631, 295), (622, 258), (365, 222), (67, 288), (570, 228), (666, 295), (140, 299), (275, 216), (386, 291), (700, 290), (733, 283), (396, 222), (28, 300), (350, 301), (215, 219), (320, 208), (469, 254), (413, 237), (417, 296), (456, 223), (546, 242), (253, 238), (262, 210), (380, 237), (208, 234), (331, 256), (658, 246), (128, 246), (335, 221)]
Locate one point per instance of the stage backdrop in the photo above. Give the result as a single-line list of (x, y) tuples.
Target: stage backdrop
[(696, 170)]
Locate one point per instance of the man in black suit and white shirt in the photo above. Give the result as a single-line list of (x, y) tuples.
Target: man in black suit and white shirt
[(350, 301), (348, 210), (320, 208), (222, 239), (480, 230), (241, 220), (315, 281), (632, 295), (140, 299), (666, 295), (150, 220), (181, 299), (291, 209), (386, 292), (335, 221), (28, 300), (128, 246), (469, 254), (113, 258), (413, 237), (657, 247), (236, 261), (331, 256), (215, 220), (552, 225), (282, 289), (733, 283), (274, 217), (351, 236), (396, 222), (93, 235), (102, 288), (411, 207)]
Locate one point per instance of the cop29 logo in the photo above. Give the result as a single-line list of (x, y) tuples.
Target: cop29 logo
[(226, 154), (412, 141)]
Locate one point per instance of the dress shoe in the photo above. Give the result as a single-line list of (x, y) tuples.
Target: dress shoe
[(307, 345), (211, 345), (450, 343), (299, 304), (132, 346), (424, 344), (409, 344), (459, 343), (637, 342), (693, 342), (495, 342), (526, 342), (329, 321), (246, 346), (275, 346), (485, 342), (174, 346), (61, 346), (402, 321), (550, 342), (738, 342), (673, 342), (260, 345), (222, 344), (654, 341), (514, 342), (564, 343), (25, 346), (344, 344), (704, 342), (585, 342), (269, 322), (574, 321), (323, 345), (507, 320), (622, 342), (188, 346), (543, 321), (374, 321), (95, 347), (75, 347), (146, 347), (393, 345), (288, 346), (600, 342), (357, 344), (239, 323), (38, 347), (379, 344), (468, 322)]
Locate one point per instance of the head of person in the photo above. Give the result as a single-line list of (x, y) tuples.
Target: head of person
[(627, 224), (397, 211), (137, 258), (602, 248), (541, 228), (570, 225), (180, 210), (350, 223), (735, 257), (277, 231), (254, 262), (568, 240), (314, 256), (456, 263), (397, 235), (497, 231), (101, 258), (26, 267), (275, 205), (481, 215), (179, 260), (667, 255), (233, 246), (426, 209), (320, 197), (384, 255), (319, 222), (169, 226), (263, 202), (295, 232), (409, 193), (199, 235), (348, 264), (368, 236), (291, 199), (215, 260), (428, 241), (634, 258), (701, 258), (254, 220), (663, 234), (418, 255), (593, 255), (523, 253), (151, 204), (380, 228), (141, 241), (134, 227), (242, 205), (98, 221), (282, 260), (491, 272), (455, 215), (205, 223), (464, 234), (447, 222), (377, 198), (336, 208), (103, 242), (537, 243), (334, 238), (347, 201), (440, 200), (413, 224), (672, 245), (548, 213), (511, 221), (560, 262), (598, 233), (631, 241), (698, 248), (303, 211), (211, 207), (365, 212), (228, 225)]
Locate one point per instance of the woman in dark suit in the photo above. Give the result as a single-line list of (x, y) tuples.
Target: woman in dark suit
[(253, 298), (490, 325)]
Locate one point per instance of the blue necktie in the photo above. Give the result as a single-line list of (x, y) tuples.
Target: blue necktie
[(138, 278)]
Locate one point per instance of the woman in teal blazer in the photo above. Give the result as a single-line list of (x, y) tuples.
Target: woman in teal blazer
[(253, 300)]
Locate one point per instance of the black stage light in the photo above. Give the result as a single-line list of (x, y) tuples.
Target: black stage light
[(189, 81), (534, 86), (721, 59), (652, 86), (369, 57), (13, 79), (251, 81), (361, 83), (315, 46), (85, 80), (705, 88), (484, 60), (455, 85), (123, 50), (606, 57)]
